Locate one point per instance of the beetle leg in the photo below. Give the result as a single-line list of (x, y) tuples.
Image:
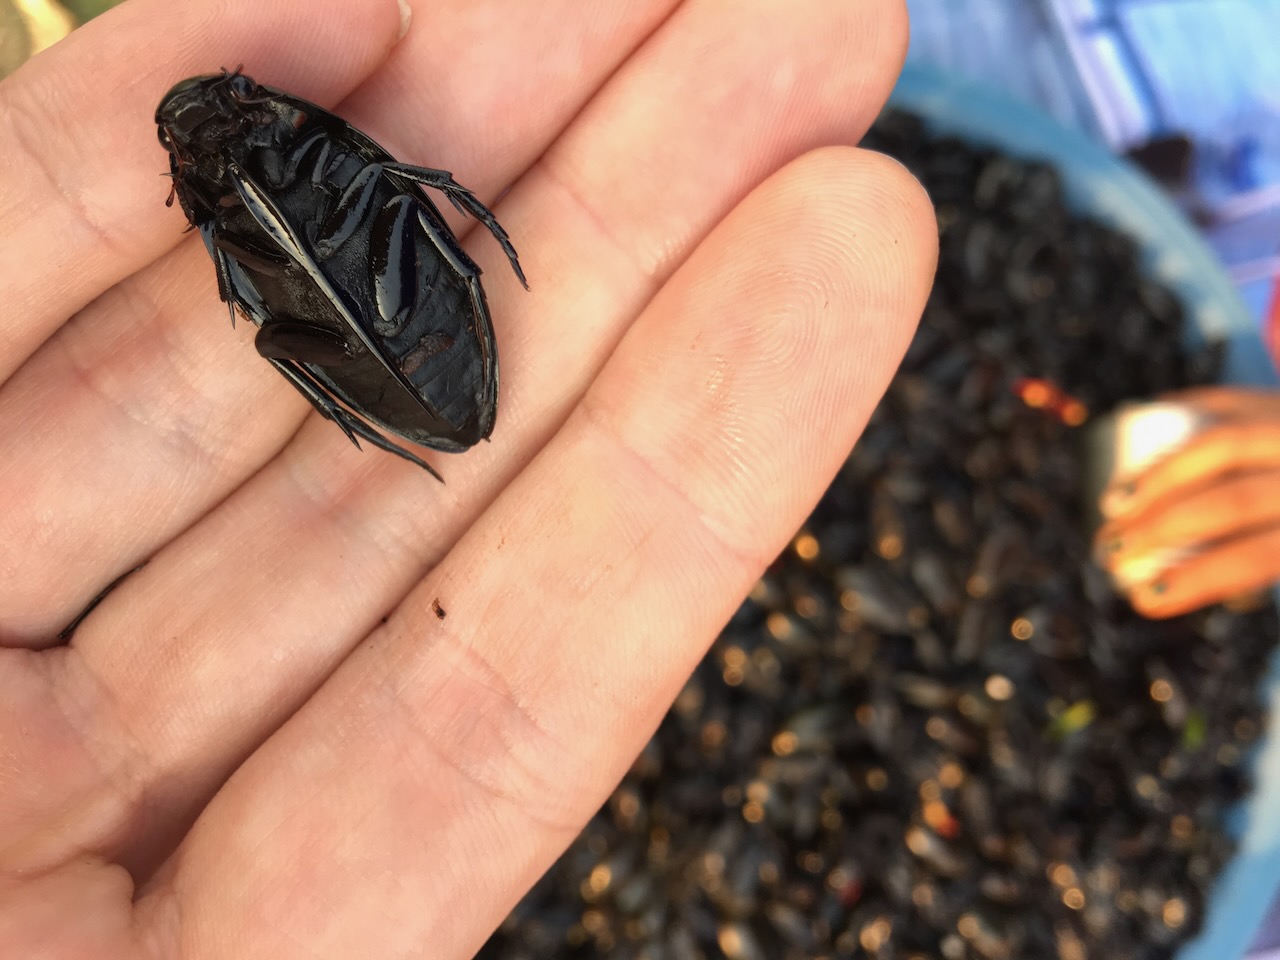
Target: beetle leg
[(294, 340), (246, 295), (266, 214), (269, 217), (464, 201), (299, 153), (351, 209), (393, 262), (66, 632), (471, 274), (351, 425), (239, 289), (254, 261), (220, 267), (326, 164)]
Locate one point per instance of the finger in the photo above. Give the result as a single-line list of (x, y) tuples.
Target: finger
[(147, 394), (1227, 447), (81, 201), (1232, 568), (118, 415), (577, 606), (516, 74), (1139, 549), (1228, 402)]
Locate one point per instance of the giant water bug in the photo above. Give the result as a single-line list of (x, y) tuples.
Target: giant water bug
[(363, 298)]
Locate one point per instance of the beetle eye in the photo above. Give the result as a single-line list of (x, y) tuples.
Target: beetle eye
[(164, 139), (242, 88)]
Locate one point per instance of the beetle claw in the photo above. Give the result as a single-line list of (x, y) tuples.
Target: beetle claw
[(465, 202), (350, 424)]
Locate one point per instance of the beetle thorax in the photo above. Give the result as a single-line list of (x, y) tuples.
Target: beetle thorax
[(201, 115)]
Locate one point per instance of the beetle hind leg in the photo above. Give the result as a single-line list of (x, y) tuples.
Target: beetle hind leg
[(465, 202), (350, 424)]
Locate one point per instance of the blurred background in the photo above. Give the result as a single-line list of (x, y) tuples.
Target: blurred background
[(1188, 88)]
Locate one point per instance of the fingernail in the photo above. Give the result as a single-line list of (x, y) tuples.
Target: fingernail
[(1146, 567), (405, 16)]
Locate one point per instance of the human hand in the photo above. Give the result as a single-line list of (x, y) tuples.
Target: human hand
[(1201, 524), (265, 743)]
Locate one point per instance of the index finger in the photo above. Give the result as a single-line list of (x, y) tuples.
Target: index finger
[(81, 199)]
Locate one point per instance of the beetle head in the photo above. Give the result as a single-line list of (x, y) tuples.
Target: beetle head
[(199, 112)]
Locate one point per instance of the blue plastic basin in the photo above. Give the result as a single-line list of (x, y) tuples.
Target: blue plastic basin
[(1109, 189)]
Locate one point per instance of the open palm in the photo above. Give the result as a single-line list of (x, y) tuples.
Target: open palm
[(266, 742)]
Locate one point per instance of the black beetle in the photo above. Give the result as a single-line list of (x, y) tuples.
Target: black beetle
[(364, 299)]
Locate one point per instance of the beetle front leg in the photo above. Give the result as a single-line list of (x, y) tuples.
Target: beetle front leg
[(240, 290), (294, 340), (221, 268), (265, 264), (464, 201), (350, 424)]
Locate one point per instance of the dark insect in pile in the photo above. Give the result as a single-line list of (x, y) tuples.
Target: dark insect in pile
[(363, 298)]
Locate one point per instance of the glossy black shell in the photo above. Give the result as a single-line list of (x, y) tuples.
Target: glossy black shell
[(365, 300)]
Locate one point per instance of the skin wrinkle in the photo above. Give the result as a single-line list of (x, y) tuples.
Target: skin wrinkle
[(179, 433), (117, 245), (337, 496), (651, 276), (491, 96), (520, 791), (196, 429), (775, 347), (123, 781), (182, 434), (596, 416)]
